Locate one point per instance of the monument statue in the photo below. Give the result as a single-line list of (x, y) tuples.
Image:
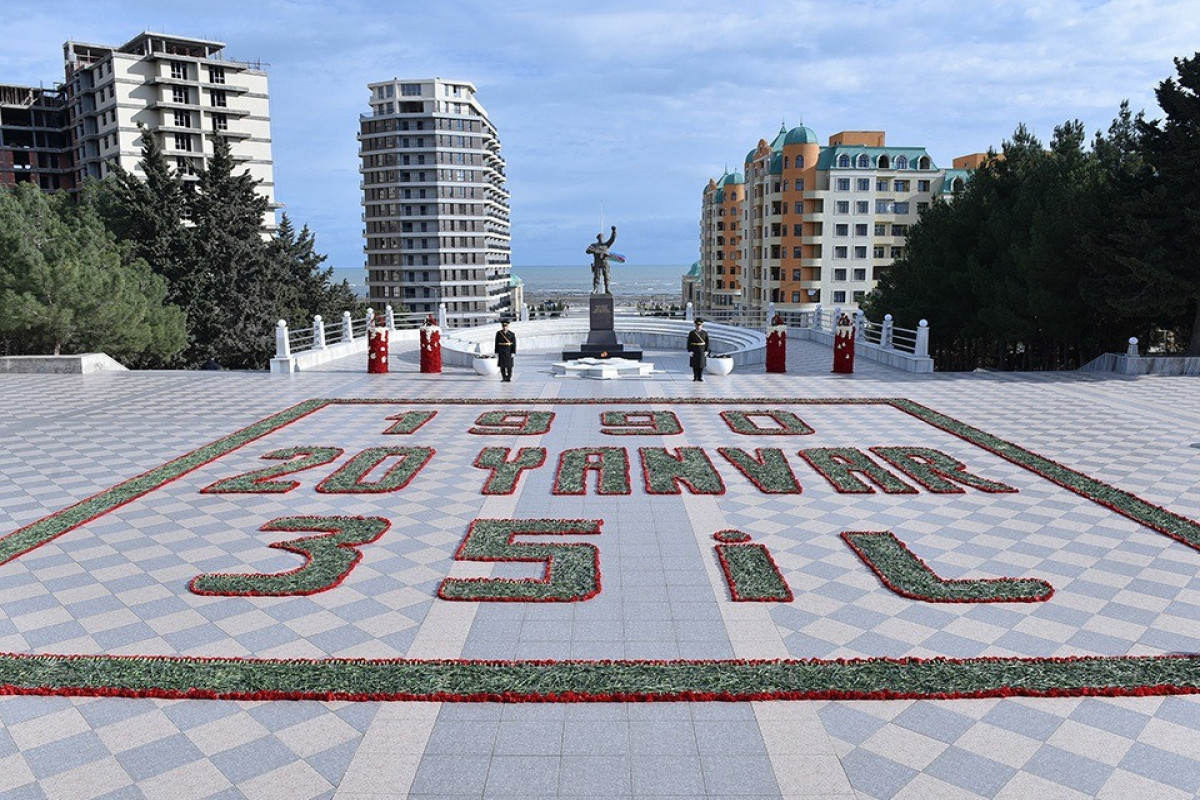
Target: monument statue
[(598, 250)]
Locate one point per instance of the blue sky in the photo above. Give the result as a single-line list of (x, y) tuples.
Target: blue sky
[(631, 107)]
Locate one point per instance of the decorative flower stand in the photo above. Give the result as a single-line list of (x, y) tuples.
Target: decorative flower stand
[(486, 365), (719, 365)]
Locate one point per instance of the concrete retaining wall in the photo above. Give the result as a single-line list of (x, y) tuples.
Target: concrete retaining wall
[(82, 364)]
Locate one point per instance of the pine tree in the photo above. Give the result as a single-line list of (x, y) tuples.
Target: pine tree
[(149, 213), (233, 285), (67, 286), (1163, 238), (307, 288)]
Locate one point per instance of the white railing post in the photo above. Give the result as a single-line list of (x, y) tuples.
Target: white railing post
[(442, 316), (816, 318), (837, 314), (390, 316), (690, 312), (860, 325), (1132, 350), (524, 312), (921, 350), (347, 327), (370, 319), (885, 335), (318, 333), (283, 345)]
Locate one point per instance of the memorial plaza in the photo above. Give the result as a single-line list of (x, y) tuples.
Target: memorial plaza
[(330, 584)]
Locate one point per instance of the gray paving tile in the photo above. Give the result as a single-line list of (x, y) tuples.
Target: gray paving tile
[(973, 772)]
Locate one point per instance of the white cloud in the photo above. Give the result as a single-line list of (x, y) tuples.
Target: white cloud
[(636, 104)]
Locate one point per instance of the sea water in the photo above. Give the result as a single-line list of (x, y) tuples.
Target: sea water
[(625, 279)]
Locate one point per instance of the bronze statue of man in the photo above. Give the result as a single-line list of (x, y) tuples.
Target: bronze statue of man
[(598, 250)]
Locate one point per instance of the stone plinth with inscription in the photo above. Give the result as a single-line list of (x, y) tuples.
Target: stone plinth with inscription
[(602, 339)]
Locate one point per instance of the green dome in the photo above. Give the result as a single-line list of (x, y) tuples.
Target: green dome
[(513, 280), (731, 179), (801, 135), (778, 142), (694, 272)]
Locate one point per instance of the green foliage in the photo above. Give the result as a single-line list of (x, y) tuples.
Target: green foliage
[(67, 286), (207, 238), (1066, 243)]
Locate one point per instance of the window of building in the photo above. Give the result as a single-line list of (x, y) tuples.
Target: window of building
[(902, 208), (799, 186), (220, 122), (897, 252), (797, 230), (880, 229), (183, 165), (179, 70), (179, 94), (843, 206), (861, 273), (795, 274), (885, 206), (885, 162), (218, 98), (843, 184), (922, 186), (840, 252), (839, 274), (217, 75), (841, 229), (795, 252), (899, 230), (860, 229), (922, 207), (901, 162), (183, 141), (843, 161), (877, 251), (882, 185), (183, 119), (902, 186), (839, 297), (799, 207), (862, 184), (860, 251), (410, 89), (862, 207)]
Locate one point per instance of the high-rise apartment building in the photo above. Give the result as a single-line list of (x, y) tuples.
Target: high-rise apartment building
[(35, 138), (180, 89), (434, 202), (807, 224)]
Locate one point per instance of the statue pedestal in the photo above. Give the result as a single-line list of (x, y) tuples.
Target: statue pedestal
[(602, 339)]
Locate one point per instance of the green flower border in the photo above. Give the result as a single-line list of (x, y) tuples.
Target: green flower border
[(596, 681)]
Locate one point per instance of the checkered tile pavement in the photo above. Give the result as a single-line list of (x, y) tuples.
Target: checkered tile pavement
[(118, 585)]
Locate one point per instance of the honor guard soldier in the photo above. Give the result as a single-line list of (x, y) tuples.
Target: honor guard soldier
[(697, 344), (506, 348)]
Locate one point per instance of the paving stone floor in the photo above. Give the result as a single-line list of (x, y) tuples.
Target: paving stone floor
[(118, 585)]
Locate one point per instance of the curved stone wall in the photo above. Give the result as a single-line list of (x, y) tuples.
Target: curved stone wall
[(459, 346)]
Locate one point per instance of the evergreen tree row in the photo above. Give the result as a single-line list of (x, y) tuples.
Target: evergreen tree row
[(206, 238), (158, 271), (1072, 243)]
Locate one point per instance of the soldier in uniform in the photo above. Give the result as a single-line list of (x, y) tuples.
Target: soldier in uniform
[(697, 345), (506, 348)]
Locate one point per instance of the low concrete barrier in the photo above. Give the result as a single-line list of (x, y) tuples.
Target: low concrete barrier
[(82, 364)]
